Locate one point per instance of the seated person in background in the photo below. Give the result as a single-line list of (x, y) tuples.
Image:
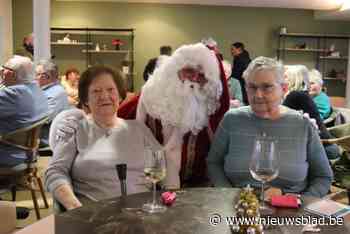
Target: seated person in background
[(70, 84), (303, 164), (234, 87), (320, 98), (165, 51), (46, 74), (298, 98), (82, 168), (22, 103)]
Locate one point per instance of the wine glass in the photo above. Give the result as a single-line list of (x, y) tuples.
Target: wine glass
[(155, 171), (264, 166)]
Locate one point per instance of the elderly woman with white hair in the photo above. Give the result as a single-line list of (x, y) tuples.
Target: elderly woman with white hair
[(298, 98), (318, 96), (22, 103), (303, 164)]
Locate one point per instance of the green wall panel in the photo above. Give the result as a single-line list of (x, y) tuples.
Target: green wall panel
[(159, 24)]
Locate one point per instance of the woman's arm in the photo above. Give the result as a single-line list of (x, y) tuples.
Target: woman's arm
[(217, 153), (58, 174), (320, 174)]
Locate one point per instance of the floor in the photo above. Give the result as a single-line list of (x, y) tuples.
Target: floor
[(24, 199)]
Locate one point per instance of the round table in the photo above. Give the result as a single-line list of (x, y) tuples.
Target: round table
[(189, 214)]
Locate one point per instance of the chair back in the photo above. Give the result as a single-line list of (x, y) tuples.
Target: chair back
[(26, 138), (336, 117), (342, 135)]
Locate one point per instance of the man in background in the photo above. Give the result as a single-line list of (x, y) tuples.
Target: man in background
[(46, 74), (22, 103), (28, 44), (165, 51), (241, 61)]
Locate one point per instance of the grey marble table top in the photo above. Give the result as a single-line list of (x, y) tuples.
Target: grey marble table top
[(191, 213)]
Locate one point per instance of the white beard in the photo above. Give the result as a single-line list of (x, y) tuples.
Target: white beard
[(195, 113)]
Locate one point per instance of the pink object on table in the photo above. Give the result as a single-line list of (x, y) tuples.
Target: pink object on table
[(288, 201), (168, 198)]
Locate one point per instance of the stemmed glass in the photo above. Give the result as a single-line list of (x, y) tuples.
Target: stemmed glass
[(155, 171), (264, 166)]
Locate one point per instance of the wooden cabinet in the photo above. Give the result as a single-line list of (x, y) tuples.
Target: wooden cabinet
[(326, 52), (84, 47)]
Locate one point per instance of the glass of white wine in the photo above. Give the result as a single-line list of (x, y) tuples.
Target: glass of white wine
[(264, 166), (155, 171)]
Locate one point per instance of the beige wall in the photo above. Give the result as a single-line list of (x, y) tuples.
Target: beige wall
[(158, 24), (6, 39)]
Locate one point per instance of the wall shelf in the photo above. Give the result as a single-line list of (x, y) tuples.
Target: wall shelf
[(302, 50), (107, 51), (315, 35), (86, 40), (333, 57), (317, 53), (71, 44), (333, 78)]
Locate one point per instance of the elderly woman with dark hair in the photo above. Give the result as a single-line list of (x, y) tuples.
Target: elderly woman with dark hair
[(83, 165), (304, 167)]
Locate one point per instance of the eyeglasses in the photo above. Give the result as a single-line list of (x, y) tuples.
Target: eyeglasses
[(43, 74), (265, 88), (192, 75), (2, 72)]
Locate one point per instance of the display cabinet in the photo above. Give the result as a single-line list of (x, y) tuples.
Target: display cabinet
[(84, 47), (326, 52)]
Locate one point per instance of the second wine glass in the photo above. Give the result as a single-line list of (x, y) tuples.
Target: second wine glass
[(264, 166), (155, 171)]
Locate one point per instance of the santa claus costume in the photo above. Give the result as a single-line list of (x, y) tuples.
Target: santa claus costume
[(183, 103)]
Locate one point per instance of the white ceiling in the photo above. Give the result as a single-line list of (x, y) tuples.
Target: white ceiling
[(325, 9), (300, 4)]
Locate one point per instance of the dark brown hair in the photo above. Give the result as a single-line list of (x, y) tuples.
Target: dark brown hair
[(71, 70), (91, 73)]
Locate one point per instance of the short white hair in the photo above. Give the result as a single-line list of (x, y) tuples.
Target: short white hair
[(49, 67), (297, 77), (262, 63), (23, 67), (316, 77)]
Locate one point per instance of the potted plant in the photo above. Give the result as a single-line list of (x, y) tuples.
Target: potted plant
[(117, 43)]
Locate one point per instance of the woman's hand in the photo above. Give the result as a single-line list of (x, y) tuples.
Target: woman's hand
[(65, 195)]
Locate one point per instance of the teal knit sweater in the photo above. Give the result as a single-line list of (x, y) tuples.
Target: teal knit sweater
[(304, 167)]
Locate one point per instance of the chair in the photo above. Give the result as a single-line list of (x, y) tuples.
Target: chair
[(336, 117), (341, 167), (27, 139), (342, 136)]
